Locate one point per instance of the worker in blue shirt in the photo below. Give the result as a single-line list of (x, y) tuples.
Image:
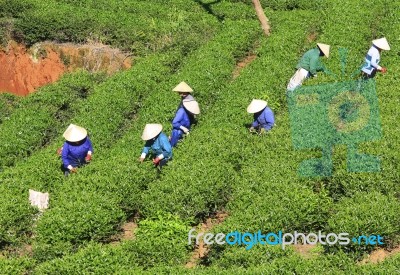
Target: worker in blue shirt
[(157, 144), (372, 58), (263, 116), (184, 117), (77, 149), (184, 91)]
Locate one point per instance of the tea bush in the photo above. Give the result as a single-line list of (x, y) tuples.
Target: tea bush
[(42, 171), (219, 166), (211, 67), (16, 266), (367, 214), (136, 26), (31, 126), (280, 5), (8, 103)]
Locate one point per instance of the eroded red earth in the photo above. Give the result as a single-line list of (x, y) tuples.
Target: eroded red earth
[(23, 70)]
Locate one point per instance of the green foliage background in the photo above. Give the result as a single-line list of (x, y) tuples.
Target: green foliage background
[(219, 167)]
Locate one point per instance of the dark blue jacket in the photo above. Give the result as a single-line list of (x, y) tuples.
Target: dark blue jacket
[(74, 155), (264, 119), (181, 119)]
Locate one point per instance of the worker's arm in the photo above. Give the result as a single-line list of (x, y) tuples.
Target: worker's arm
[(176, 123), (316, 65), (166, 147), (64, 156), (90, 152), (255, 122), (269, 118), (145, 151), (375, 60)]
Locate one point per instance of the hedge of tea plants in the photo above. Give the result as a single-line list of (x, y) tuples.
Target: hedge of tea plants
[(140, 27), (105, 114), (8, 102), (42, 170), (263, 193), (210, 66), (32, 125), (220, 166), (180, 199)]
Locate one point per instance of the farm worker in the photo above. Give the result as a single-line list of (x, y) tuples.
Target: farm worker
[(158, 143), (372, 58), (77, 149), (184, 91), (263, 116), (309, 65), (184, 117)]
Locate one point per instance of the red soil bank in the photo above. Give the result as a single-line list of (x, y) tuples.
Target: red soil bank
[(22, 72)]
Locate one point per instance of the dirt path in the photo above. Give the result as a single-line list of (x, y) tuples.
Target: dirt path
[(202, 249), (380, 255), (306, 251), (127, 232), (242, 64)]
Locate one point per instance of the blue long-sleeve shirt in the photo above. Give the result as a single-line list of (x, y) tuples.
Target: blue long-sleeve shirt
[(75, 154), (371, 61), (159, 146), (264, 118), (181, 119)]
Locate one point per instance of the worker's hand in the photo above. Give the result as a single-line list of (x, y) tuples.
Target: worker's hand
[(59, 151), (263, 131), (88, 158), (141, 160), (156, 161), (184, 129), (73, 170), (383, 70), (252, 129)]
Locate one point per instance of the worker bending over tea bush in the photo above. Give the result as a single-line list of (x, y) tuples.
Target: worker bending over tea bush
[(77, 149), (184, 118), (309, 65), (263, 116), (157, 144), (372, 58)]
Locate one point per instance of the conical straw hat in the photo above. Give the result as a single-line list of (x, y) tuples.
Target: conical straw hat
[(324, 48), (381, 43), (183, 88), (256, 105), (74, 133), (151, 131), (192, 106)]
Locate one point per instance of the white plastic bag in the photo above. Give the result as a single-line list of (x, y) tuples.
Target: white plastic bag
[(41, 200)]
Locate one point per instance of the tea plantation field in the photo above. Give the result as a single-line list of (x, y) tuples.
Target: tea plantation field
[(222, 179)]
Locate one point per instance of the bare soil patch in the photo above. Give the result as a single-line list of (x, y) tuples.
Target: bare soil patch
[(380, 255), (202, 249), (242, 64), (304, 250), (127, 233), (23, 70)]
